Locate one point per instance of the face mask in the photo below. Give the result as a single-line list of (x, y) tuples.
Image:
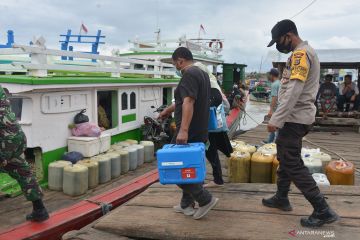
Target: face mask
[(178, 72), (281, 47)]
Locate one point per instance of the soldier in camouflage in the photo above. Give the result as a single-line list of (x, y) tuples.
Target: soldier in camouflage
[(12, 162)]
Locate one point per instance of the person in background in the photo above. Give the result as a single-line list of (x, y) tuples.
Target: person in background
[(218, 140), (12, 161), (327, 95), (293, 118), (273, 77), (349, 92), (191, 116), (103, 120)]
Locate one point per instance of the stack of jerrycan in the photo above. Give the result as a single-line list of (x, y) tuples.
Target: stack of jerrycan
[(312, 158), (340, 172), (234, 144), (93, 171), (270, 148), (56, 172), (261, 167), (239, 167), (239, 163), (75, 180)]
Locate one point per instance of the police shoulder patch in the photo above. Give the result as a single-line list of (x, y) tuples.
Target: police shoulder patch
[(299, 65)]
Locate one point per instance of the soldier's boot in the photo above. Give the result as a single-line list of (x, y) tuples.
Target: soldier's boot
[(39, 212), (322, 213), (280, 200)]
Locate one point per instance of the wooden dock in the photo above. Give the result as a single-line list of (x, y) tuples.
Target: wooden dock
[(238, 215)]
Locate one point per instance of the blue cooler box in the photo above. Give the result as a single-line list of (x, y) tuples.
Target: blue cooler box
[(181, 164)]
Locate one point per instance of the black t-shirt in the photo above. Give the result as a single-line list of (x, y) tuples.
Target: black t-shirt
[(194, 83)]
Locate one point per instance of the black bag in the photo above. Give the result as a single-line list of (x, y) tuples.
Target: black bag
[(81, 117), (72, 157)]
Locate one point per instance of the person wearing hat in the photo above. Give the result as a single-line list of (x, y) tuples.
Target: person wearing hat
[(273, 77), (293, 117)]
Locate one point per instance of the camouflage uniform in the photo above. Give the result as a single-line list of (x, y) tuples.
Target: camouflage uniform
[(12, 147)]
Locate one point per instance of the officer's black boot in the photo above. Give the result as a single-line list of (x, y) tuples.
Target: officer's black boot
[(280, 200), (322, 213), (39, 212)]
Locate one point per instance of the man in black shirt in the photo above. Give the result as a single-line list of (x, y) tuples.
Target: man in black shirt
[(191, 116)]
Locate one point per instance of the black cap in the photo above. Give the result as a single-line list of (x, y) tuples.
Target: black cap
[(280, 29), (274, 72)]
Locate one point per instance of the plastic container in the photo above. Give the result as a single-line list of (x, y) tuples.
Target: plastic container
[(115, 164), (123, 144), (56, 171), (104, 162), (312, 163), (93, 172), (182, 164), (133, 157), (261, 168), (321, 179), (116, 147), (239, 167), (235, 143), (245, 148), (325, 159), (275, 165), (140, 154), (89, 146), (268, 149), (340, 172), (75, 180), (132, 141), (125, 161), (149, 151)]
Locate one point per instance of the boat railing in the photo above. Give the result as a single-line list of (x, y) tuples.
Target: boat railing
[(39, 60)]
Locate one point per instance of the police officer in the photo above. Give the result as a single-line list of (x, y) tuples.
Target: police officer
[(295, 113), (12, 147)]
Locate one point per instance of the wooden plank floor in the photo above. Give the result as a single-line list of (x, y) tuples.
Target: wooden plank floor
[(13, 210), (238, 215), (346, 143)]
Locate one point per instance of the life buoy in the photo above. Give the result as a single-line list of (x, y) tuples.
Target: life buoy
[(217, 42)]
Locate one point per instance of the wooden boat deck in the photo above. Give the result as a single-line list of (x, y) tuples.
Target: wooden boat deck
[(14, 210), (238, 215)]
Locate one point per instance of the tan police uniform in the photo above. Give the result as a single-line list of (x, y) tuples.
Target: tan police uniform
[(295, 113)]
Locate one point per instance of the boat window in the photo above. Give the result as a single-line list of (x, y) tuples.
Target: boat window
[(167, 96), (16, 107), (107, 109), (132, 100), (124, 101)]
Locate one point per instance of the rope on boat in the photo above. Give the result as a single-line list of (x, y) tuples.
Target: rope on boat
[(105, 207)]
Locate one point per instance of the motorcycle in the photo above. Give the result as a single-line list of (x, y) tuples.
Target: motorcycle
[(158, 131)]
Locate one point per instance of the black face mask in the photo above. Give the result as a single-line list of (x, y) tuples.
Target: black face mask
[(281, 47)]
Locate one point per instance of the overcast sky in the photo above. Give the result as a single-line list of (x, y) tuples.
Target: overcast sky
[(244, 24)]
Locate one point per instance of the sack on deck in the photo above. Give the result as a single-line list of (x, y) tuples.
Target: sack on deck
[(72, 157), (86, 129), (81, 117)]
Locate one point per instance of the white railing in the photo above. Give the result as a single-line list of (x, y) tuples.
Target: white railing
[(42, 59)]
